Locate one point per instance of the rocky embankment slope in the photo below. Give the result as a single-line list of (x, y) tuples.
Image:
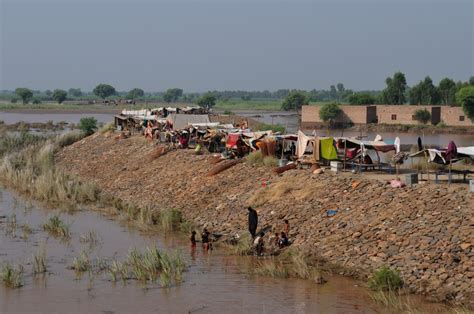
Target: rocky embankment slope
[(426, 232)]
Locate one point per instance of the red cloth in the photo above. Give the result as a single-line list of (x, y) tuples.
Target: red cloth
[(451, 152), (232, 140)]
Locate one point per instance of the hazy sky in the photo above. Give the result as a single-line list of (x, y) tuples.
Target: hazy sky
[(232, 44)]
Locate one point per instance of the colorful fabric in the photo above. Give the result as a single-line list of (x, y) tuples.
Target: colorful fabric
[(328, 150)]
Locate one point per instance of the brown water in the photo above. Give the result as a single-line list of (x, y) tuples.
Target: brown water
[(214, 282)]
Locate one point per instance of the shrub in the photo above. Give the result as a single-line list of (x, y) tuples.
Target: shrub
[(465, 97), (88, 125), (295, 100), (385, 279), (36, 101), (255, 158), (14, 100), (228, 112), (329, 112), (422, 115), (11, 275), (270, 161), (107, 127)]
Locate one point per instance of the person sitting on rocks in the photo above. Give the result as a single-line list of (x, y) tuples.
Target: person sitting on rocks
[(276, 239), (258, 243), (283, 240)]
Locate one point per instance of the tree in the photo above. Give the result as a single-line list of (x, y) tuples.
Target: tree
[(104, 90), (207, 100), (48, 93), (24, 93), (135, 93), (88, 125), (173, 94), (75, 92), (471, 80), (447, 91), (422, 115), (329, 112), (36, 101), (59, 95), (361, 99), (465, 97), (394, 93), (333, 92), (295, 100), (424, 93)]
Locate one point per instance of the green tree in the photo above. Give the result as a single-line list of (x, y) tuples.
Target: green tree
[(465, 97), (329, 112), (424, 93), (422, 115), (48, 93), (394, 92), (172, 94), (447, 91), (104, 90), (295, 100), (36, 101), (471, 80), (207, 100), (75, 92), (361, 99), (88, 125), (24, 93), (135, 93), (59, 95), (333, 92)]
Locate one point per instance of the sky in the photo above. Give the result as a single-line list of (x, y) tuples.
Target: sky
[(201, 45)]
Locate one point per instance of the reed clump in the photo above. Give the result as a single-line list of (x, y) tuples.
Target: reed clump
[(242, 245), (170, 219), (82, 263), (385, 279), (57, 228), (11, 275), (39, 261)]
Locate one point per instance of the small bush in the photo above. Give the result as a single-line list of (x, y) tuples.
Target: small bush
[(69, 138), (255, 158), (270, 161), (385, 279), (228, 112), (107, 127), (422, 115), (14, 100), (57, 228), (88, 125), (36, 101), (11, 275)]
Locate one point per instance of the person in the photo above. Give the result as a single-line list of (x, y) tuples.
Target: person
[(253, 221), (276, 240), (149, 132), (205, 239), (258, 243), (287, 226), (193, 239), (293, 148), (283, 240)]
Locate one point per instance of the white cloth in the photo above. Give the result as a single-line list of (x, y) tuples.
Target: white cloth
[(396, 143), (301, 144)]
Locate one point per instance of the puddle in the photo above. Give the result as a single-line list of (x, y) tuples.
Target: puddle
[(213, 283)]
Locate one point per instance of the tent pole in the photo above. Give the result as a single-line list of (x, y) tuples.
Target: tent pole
[(345, 153)]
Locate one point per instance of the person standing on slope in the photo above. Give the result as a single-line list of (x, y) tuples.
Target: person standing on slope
[(253, 221)]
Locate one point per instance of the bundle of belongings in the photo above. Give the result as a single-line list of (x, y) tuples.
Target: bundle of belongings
[(451, 154)]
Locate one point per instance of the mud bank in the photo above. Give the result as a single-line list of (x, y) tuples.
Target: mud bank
[(425, 232)]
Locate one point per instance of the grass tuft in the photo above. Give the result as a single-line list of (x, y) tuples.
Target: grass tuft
[(82, 263), (12, 275), (170, 219), (39, 261), (385, 279), (57, 228)]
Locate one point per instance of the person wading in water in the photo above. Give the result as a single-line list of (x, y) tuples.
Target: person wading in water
[(253, 221)]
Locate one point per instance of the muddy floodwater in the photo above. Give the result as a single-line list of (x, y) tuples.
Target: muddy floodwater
[(213, 283)]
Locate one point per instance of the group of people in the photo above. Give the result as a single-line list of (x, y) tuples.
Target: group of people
[(280, 240)]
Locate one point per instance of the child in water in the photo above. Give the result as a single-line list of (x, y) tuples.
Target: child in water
[(193, 239)]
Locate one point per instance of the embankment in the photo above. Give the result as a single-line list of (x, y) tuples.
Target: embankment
[(426, 232)]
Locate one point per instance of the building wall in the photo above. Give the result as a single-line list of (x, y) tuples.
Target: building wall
[(386, 114), (454, 115)]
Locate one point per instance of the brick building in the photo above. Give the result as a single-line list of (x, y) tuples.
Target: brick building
[(386, 114)]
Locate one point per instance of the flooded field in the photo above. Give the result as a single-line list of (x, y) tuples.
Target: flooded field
[(213, 283)]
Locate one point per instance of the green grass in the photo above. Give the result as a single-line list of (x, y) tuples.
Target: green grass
[(273, 127), (385, 279), (110, 126), (56, 106), (57, 228), (242, 245), (170, 219), (11, 275), (273, 105)]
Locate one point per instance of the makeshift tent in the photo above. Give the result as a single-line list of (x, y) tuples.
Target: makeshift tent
[(181, 121)]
